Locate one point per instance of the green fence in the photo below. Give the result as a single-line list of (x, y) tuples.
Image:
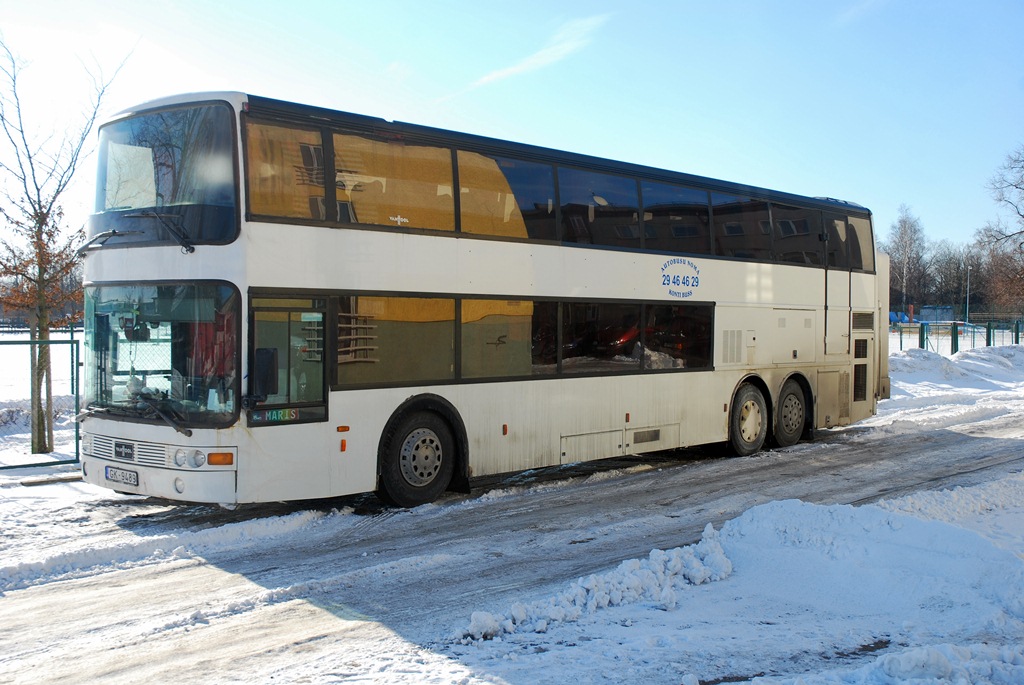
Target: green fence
[(16, 403), (949, 337)]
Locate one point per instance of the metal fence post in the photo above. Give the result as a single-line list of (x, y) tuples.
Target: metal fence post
[(989, 334), (954, 338), (922, 334), (74, 385)]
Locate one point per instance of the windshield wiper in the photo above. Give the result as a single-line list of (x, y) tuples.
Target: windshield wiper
[(175, 231), (153, 404), (91, 412), (101, 239)]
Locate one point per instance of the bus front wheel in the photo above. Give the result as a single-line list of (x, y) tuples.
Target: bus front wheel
[(417, 460), (748, 421)]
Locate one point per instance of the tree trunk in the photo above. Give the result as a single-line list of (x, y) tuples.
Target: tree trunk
[(42, 386)]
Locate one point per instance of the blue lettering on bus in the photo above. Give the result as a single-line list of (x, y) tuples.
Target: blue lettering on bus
[(680, 277)]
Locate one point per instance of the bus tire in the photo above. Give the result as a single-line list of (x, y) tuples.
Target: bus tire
[(417, 460), (792, 414), (748, 421)]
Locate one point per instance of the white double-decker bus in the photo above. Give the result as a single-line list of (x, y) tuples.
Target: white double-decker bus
[(286, 302)]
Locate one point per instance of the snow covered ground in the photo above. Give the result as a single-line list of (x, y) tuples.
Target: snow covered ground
[(926, 587)]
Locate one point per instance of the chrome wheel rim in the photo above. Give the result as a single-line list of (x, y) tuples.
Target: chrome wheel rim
[(420, 457)]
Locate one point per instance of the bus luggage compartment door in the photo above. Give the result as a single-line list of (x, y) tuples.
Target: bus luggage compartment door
[(589, 446)]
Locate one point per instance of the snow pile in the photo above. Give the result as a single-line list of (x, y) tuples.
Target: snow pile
[(656, 579), (919, 577), (939, 665)]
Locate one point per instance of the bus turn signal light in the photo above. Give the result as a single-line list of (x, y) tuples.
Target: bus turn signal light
[(220, 459)]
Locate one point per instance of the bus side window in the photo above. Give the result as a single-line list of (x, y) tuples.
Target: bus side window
[(741, 227), (797, 238), (506, 197), (862, 256), (285, 171), (390, 183), (598, 208), (288, 360), (838, 255)]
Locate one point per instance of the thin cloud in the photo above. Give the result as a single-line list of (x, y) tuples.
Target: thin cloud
[(570, 38), (858, 9)]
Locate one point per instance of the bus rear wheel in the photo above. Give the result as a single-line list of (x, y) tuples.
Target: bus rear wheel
[(789, 424), (417, 460), (748, 421)]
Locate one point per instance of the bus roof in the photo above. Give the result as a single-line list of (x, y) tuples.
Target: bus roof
[(398, 130)]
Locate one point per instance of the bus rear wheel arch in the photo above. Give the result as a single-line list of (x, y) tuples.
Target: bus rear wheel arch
[(748, 420), (421, 453)]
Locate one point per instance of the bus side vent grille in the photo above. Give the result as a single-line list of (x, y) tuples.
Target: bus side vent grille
[(652, 435), (733, 347), (863, 321)]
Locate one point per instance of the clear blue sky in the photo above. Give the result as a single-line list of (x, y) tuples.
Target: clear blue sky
[(882, 102)]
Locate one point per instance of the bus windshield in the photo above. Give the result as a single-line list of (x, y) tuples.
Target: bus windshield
[(166, 352), (168, 175)]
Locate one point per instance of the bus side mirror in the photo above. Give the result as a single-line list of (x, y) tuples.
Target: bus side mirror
[(265, 373)]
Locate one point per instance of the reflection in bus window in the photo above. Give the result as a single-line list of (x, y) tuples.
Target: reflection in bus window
[(600, 337), (598, 209), (497, 339), (176, 162), (393, 184), (797, 235), (862, 253), (285, 172), (298, 338), (676, 219), (385, 340), (678, 336), (836, 245), (741, 227), (506, 197)]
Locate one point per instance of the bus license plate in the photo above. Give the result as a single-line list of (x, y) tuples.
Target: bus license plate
[(123, 476)]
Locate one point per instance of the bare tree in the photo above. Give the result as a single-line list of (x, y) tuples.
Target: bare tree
[(948, 264), (38, 253), (1007, 188), (907, 247), (1003, 265)]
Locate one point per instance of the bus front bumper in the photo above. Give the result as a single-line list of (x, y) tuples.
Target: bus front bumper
[(196, 485)]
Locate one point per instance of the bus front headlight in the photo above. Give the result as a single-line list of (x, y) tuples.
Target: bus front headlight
[(196, 459), (180, 457)]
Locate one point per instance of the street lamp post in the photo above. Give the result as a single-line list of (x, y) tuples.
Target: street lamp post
[(967, 313)]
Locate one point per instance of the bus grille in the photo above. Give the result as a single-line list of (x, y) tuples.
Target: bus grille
[(148, 453)]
